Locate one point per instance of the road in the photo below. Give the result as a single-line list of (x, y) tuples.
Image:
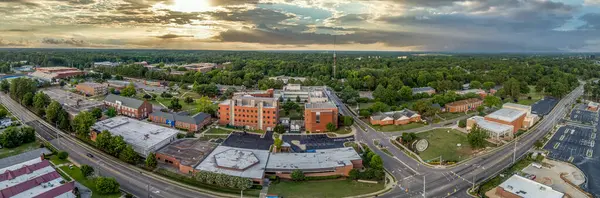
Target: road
[(132, 179), (415, 178)]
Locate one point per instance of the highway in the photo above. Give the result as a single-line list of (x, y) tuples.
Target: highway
[(415, 178), (132, 179)]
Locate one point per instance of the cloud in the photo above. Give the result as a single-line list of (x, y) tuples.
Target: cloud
[(19, 30), (172, 36), (69, 42)]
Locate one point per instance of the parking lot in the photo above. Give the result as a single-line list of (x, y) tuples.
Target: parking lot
[(72, 102), (316, 141), (544, 106), (584, 116), (550, 175)]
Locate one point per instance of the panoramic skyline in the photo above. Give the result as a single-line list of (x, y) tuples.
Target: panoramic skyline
[(399, 25)]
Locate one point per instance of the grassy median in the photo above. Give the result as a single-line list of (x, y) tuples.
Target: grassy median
[(336, 188)]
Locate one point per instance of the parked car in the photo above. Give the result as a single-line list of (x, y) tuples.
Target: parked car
[(536, 165), (89, 155)]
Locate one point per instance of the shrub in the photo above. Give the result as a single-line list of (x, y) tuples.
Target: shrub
[(63, 155), (298, 175), (87, 170)]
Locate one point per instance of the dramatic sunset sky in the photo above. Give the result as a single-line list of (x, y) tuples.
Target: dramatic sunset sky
[(402, 25)]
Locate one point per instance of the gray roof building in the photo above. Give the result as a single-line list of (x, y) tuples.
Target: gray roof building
[(417, 90), (395, 115), (125, 101), (195, 119), (23, 157)]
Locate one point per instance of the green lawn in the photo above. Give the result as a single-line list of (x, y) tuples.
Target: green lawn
[(535, 96), (343, 130), (450, 116), (363, 105), (90, 183), (6, 152), (310, 189), (442, 143), (56, 161), (217, 131), (393, 128)]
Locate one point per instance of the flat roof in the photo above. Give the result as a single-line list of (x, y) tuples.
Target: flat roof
[(506, 114), (92, 84), (138, 133), (254, 170), (515, 105), (189, 152), (322, 105), (490, 126), (320, 160), (528, 188), (23, 157)]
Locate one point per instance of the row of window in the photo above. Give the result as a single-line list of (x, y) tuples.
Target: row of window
[(252, 121), (249, 110)]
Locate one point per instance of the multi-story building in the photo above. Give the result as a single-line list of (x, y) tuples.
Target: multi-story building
[(482, 93), (92, 89), (318, 115), (307, 94), (395, 117), (191, 123), (509, 117), (463, 105), (129, 106), (428, 90), (250, 112)]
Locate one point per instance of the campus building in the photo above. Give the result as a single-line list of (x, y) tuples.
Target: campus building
[(495, 131), (318, 115), (92, 89), (240, 162), (51, 74), (307, 94), (184, 154), (325, 162), (201, 67), (286, 79), (464, 105), (482, 93), (190, 123), (592, 106), (508, 116), (520, 187), (129, 106), (427, 90), (249, 112), (530, 118), (394, 117), (142, 136)]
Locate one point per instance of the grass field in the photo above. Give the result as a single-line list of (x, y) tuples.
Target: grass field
[(442, 143), (90, 183), (535, 96), (56, 161), (343, 130), (393, 128), (322, 189), (6, 152), (212, 131)]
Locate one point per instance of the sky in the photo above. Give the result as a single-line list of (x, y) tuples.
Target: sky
[(386, 25)]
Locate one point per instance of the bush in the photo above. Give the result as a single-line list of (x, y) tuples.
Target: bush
[(322, 177), (107, 185), (180, 135), (87, 170), (128, 195), (462, 123), (63, 155), (298, 175), (354, 174)]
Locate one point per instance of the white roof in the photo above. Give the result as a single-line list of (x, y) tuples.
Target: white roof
[(527, 188), (317, 161), (252, 170), (515, 105), (141, 135), (593, 104), (506, 114), (490, 126)]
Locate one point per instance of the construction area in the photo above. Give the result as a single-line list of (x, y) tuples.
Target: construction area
[(72, 102)]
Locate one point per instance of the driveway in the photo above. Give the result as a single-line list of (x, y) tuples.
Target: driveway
[(551, 177)]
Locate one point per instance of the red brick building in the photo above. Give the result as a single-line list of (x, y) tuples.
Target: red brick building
[(92, 89), (509, 117), (250, 112), (464, 105), (318, 115), (395, 117), (129, 106), (184, 154), (54, 73), (190, 123)]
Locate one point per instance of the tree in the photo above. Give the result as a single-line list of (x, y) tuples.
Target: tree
[(188, 100), (207, 106), (10, 137), (488, 85), (376, 162), (277, 143), (297, 175), (408, 137), (147, 97), (63, 120), (348, 93), (477, 137), (353, 174), (5, 86), (289, 106), (480, 109), (111, 90), (62, 155), (40, 101), (462, 123), (3, 113), (175, 104), (111, 112), (492, 101), (348, 120), (406, 93), (82, 123), (96, 112), (475, 84), (27, 100), (279, 129), (298, 99), (129, 90), (129, 155), (52, 112), (512, 88), (151, 161), (87, 170), (27, 134), (331, 127), (379, 107), (107, 185), (538, 144), (117, 145), (103, 140)]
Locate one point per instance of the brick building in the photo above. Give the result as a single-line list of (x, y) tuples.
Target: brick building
[(323, 162), (250, 112), (129, 106), (395, 117), (191, 123), (54, 73), (92, 89), (509, 117), (184, 154), (464, 105), (318, 115)]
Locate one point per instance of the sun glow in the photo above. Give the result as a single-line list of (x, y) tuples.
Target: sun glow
[(188, 6)]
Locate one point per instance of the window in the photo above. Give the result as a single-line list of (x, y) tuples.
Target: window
[(318, 120)]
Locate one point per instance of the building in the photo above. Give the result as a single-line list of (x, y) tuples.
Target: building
[(325, 162), (142, 136), (201, 67), (496, 131), (184, 154), (296, 126), (592, 106), (318, 115), (482, 93), (249, 112), (92, 89), (106, 64), (190, 123), (530, 118), (30, 175), (395, 117), (520, 187), (129, 106), (427, 90), (307, 94), (260, 93), (51, 74), (240, 162), (286, 79), (463, 105), (509, 117), (118, 84)]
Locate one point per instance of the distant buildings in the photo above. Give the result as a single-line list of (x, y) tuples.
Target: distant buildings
[(286, 79), (142, 136), (463, 105), (51, 74), (190, 123), (482, 93), (92, 89), (428, 90), (130, 107), (318, 115), (395, 117), (201, 67), (106, 64), (307, 94), (520, 187), (250, 112)]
